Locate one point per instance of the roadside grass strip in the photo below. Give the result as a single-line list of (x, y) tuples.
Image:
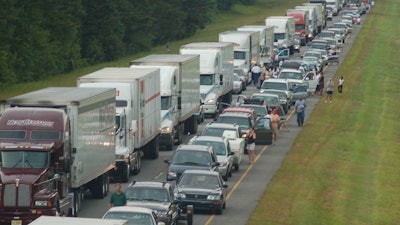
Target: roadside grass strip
[(344, 165)]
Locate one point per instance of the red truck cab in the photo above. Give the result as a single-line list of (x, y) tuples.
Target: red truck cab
[(301, 24)]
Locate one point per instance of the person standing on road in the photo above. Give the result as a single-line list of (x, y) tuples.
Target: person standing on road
[(300, 105), (255, 71), (118, 198), (251, 144), (262, 78), (341, 82), (275, 125), (329, 90), (321, 83), (275, 72)]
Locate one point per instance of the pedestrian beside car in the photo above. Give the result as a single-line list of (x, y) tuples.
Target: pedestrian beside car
[(261, 79), (251, 144), (300, 106), (321, 83), (255, 71), (275, 72), (118, 198), (275, 119), (341, 82), (329, 90)]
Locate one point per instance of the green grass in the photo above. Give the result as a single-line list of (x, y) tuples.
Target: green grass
[(238, 16), (344, 165)]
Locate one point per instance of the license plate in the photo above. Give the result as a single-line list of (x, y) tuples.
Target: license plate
[(16, 222)]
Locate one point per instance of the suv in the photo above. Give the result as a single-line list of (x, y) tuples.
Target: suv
[(223, 151), (157, 196), (195, 157), (277, 84), (260, 109), (244, 120), (233, 133)]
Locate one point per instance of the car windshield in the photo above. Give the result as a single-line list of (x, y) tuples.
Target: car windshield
[(339, 25), (147, 194), (282, 96), (318, 46), (131, 217), (238, 72), (259, 110), (313, 54), (290, 75), (270, 99), (274, 85), (195, 158), (243, 122), (310, 59), (300, 88), (206, 79), (218, 147), (279, 36), (199, 181), (165, 102), (24, 159), (327, 34), (214, 131), (236, 77)]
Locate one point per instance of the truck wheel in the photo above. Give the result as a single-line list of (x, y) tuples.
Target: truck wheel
[(77, 202), (154, 148), (125, 174), (191, 125), (136, 169), (97, 187), (180, 134)]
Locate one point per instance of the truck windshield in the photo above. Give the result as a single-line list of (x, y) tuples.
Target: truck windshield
[(45, 135), (24, 159), (279, 36), (121, 103), (12, 134), (206, 79), (239, 55), (165, 102), (299, 27)]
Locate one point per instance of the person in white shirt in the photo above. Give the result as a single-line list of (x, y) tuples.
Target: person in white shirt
[(255, 71), (341, 82)]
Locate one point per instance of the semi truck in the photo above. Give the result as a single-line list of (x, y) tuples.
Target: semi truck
[(180, 90), (312, 20), (216, 73), (55, 144), (266, 39), (137, 112), (301, 24), (321, 12), (246, 48), (284, 31)]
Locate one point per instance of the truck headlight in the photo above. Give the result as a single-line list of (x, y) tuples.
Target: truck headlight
[(40, 203), (213, 197), (211, 101), (166, 129)]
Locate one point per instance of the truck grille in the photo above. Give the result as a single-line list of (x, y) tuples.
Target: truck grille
[(24, 194)]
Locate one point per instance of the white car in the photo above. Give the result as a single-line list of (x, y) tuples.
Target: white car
[(134, 215), (238, 84), (233, 133)]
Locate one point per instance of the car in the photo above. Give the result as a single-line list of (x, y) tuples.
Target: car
[(342, 26), (333, 44), (243, 75), (157, 196), (340, 35), (244, 120), (234, 135), (205, 190), (283, 99), (277, 84), (294, 64), (316, 54), (297, 42), (259, 108), (291, 74), (300, 89), (242, 110), (329, 13), (313, 62), (238, 84), (134, 215), (327, 34), (191, 157), (223, 151), (271, 99)]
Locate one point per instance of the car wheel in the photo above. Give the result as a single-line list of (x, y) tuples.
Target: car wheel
[(236, 167)]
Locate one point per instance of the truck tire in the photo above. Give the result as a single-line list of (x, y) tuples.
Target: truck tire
[(191, 125), (125, 174), (153, 148), (97, 187), (136, 169), (180, 134), (77, 202)]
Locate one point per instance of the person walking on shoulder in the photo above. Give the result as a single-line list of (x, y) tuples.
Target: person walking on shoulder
[(251, 144), (329, 90), (341, 82), (275, 125), (300, 105), (118, 198), (255, 71)]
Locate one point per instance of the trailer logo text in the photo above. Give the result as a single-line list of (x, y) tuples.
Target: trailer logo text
[(28, 122)]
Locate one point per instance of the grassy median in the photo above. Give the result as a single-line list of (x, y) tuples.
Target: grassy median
[(239, 15), (344, 166)]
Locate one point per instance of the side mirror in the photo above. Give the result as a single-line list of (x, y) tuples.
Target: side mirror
[(167, 162), (231, 153)]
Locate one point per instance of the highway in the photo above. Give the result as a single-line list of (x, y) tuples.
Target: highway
[(247, 185)]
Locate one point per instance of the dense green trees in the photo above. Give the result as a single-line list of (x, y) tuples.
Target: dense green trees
[(43, 38)]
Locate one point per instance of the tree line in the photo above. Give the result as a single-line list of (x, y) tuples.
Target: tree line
[(43, 38)]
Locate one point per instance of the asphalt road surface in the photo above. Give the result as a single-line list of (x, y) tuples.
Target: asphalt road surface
[(248, 184)]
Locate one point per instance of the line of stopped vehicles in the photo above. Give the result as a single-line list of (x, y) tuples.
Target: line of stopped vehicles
[(59, 142)]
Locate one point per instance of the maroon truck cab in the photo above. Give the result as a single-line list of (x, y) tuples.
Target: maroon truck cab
[(31, 152)]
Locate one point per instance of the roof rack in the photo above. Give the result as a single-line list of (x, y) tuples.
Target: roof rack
[(253, 101)]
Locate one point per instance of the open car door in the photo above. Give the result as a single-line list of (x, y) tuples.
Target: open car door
[(263, 131), (312, 83)]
